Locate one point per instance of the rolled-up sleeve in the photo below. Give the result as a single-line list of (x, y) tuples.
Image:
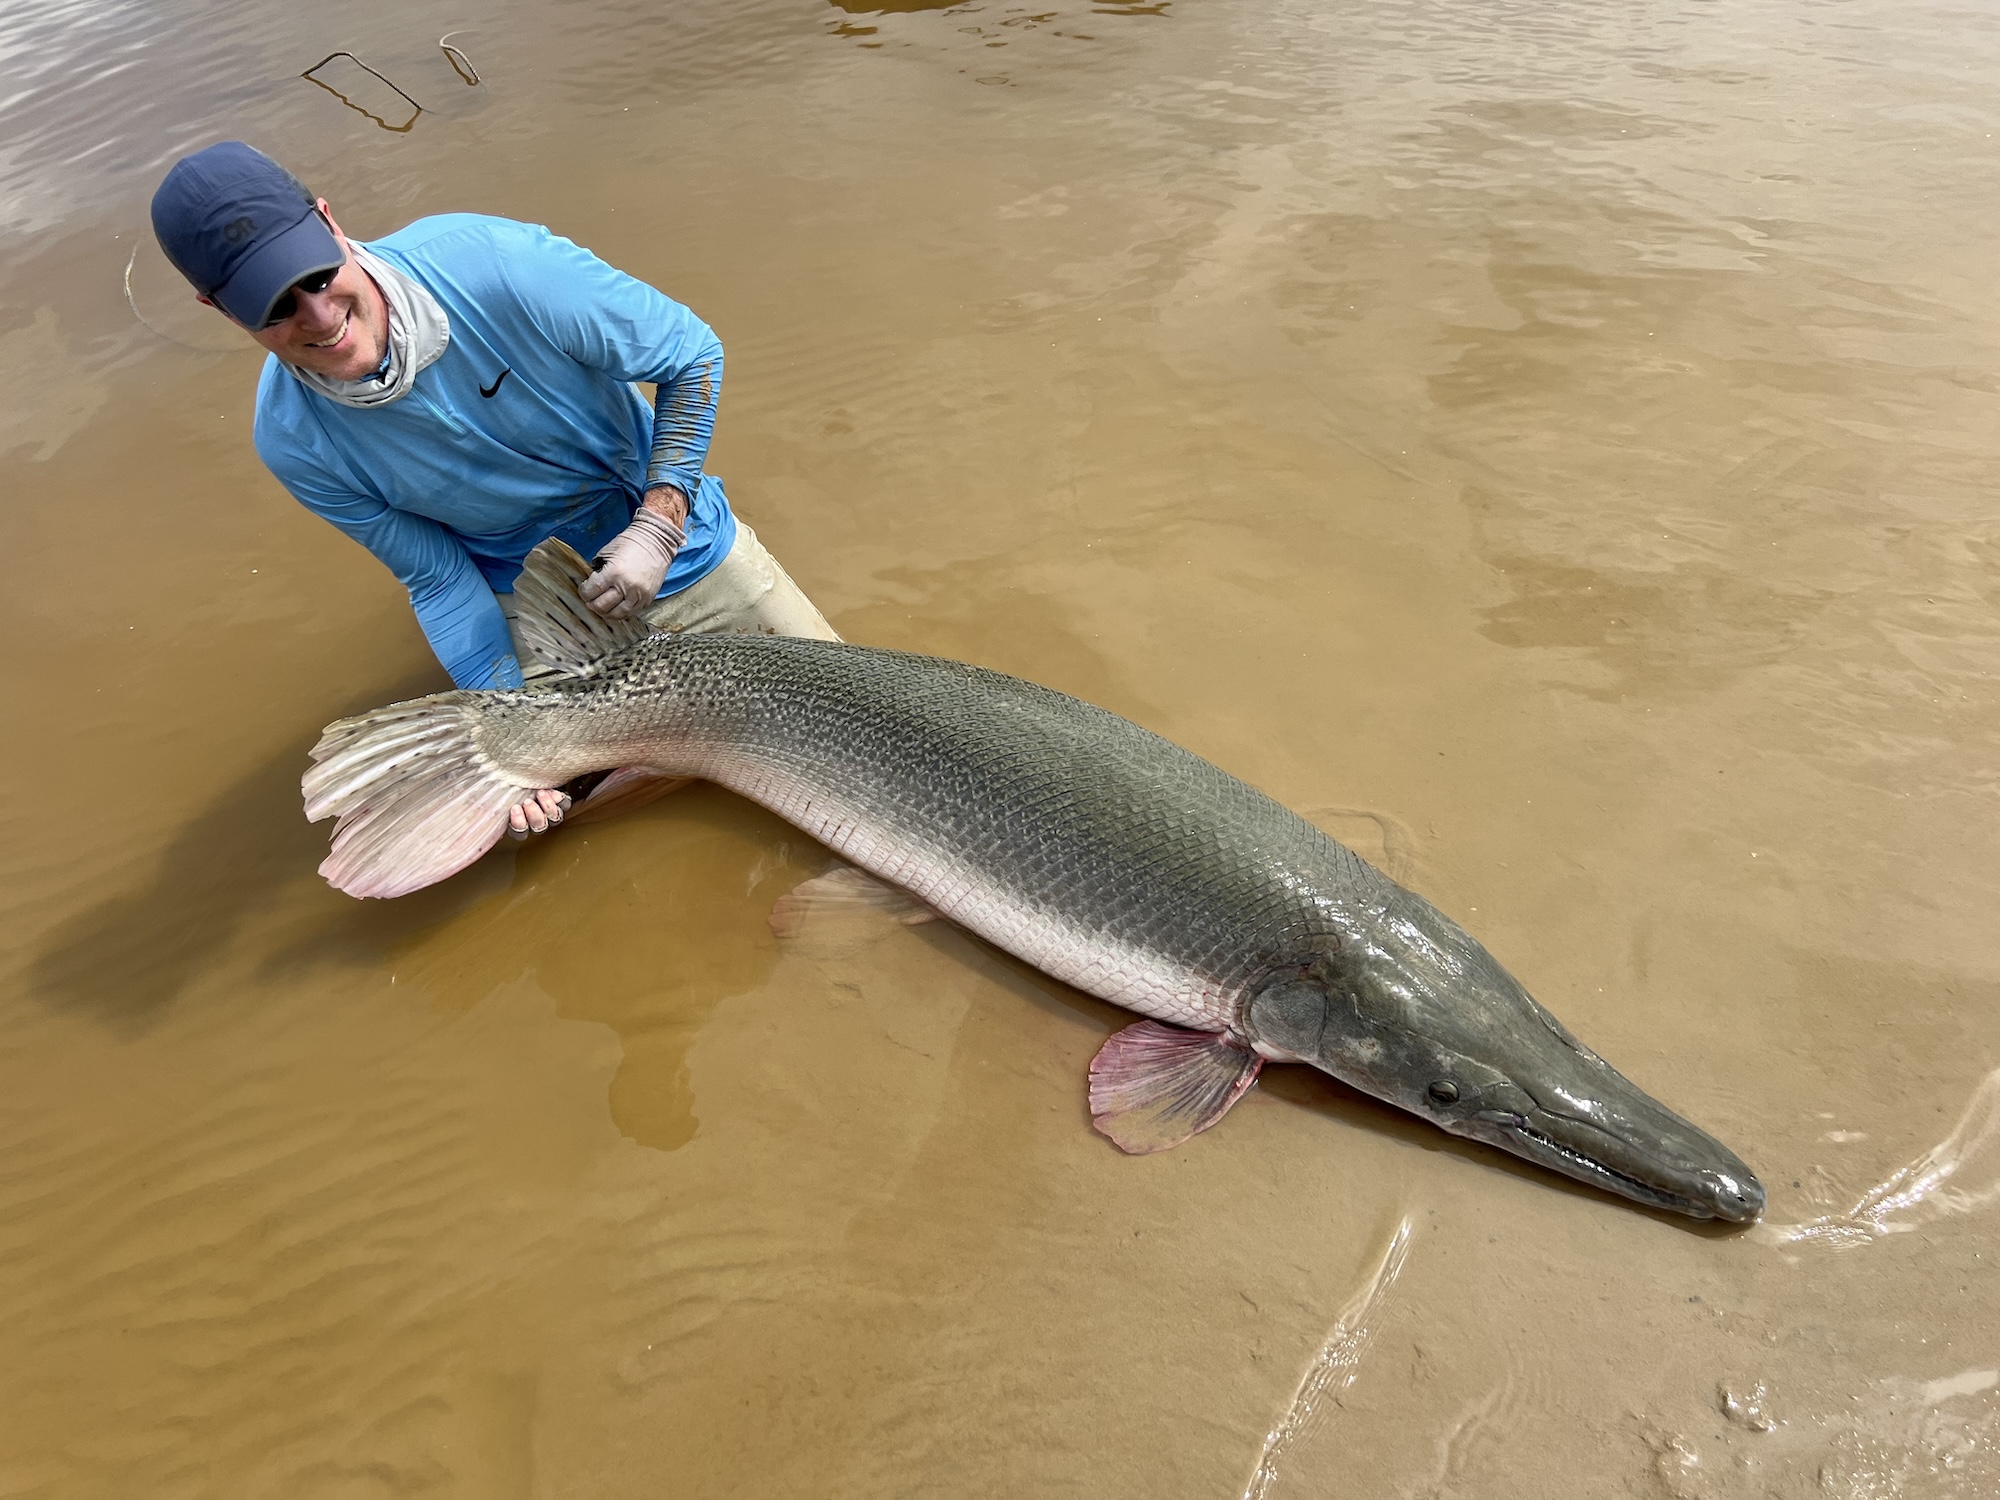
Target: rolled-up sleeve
[(616, 323)]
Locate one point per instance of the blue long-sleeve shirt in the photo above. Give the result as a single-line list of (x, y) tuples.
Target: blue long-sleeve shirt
[(528, 426)]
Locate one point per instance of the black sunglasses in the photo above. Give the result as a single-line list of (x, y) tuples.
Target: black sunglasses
[(288, 304)]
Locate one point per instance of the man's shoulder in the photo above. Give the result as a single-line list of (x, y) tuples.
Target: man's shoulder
[(478, 265), (277, 401), (439, 238)]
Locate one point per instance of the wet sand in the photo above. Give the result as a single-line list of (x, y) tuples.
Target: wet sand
[(1550, 445)]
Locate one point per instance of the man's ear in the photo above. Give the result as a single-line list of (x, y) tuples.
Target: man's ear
[(331, 223), (211, 302)]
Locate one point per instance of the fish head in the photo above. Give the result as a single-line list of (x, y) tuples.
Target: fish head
[(1416, 1012)]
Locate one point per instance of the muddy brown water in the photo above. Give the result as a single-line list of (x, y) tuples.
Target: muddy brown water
[(1551, 444)]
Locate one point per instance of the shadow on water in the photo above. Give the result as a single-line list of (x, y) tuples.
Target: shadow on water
[(643, 924), (127, 958), (600, 917)]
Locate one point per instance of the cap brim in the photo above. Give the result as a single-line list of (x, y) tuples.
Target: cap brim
[(272, 268)]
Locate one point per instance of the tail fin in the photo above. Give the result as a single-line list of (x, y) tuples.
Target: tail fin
[(553, 620), (417, 798)]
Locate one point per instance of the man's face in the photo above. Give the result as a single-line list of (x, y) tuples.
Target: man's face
[(340, 332)]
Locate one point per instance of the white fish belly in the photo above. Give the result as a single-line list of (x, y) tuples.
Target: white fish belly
[(1097, 963)]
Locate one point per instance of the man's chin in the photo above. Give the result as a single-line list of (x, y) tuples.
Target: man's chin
[(337, 364)]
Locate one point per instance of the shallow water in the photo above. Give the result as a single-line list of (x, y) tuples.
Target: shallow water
[(1548, 444)]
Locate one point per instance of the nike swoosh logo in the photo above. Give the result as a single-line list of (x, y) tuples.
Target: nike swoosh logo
[(489, 390)]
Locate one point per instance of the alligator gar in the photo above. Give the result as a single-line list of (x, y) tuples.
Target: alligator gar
[(1072, 838)]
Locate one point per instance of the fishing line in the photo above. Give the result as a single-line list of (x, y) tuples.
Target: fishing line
[(146, 322)]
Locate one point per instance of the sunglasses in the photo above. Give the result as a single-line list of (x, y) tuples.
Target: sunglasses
[(288, 304)]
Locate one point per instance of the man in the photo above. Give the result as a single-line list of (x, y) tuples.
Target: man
[(458, 391)]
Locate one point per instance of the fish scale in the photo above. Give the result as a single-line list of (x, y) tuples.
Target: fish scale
[(1069, 836)]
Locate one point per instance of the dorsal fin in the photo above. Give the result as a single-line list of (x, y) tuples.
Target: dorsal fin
[(554, 622)]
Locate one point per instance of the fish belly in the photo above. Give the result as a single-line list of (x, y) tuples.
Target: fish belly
[(1037, 928)]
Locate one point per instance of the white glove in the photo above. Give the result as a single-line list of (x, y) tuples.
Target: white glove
[(626, 576)]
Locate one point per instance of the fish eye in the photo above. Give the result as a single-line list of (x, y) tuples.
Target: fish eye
[(1443, 1091)]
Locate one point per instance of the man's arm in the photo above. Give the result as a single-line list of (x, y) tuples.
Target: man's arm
[(615, 323), (454, 605), (460, 618), (683, 423), (684, 413)]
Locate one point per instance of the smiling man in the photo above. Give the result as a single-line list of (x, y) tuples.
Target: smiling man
[(458, 391)]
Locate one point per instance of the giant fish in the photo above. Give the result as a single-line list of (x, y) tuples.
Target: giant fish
[(1086, 846)]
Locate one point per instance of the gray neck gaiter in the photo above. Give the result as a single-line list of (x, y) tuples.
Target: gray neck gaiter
[(418, 334)]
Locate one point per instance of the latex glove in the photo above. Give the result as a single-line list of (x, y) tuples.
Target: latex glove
[(626, 576), (537, 812)]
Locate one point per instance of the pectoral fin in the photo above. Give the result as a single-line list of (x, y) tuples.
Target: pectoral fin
[(1153, 1086)]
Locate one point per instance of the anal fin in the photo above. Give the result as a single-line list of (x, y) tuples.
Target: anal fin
[(845, 891), (623, 790), (1153, 1086)]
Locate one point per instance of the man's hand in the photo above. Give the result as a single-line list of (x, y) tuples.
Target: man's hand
[(628, 573), (538, 812)]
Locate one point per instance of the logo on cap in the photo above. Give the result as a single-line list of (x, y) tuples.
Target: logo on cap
[(236, 231)]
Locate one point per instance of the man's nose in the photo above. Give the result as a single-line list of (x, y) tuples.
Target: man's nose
[(316, 309)]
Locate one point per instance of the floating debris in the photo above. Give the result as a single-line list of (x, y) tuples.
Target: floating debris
[(402, 129)]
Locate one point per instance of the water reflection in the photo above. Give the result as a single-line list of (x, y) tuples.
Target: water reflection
[(460, 63), (1956, 1176), (1335, 1366), (311, 75), (894, 7), (676, 923), (96, 99)]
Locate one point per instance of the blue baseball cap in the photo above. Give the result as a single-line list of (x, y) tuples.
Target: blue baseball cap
[(241, 228)]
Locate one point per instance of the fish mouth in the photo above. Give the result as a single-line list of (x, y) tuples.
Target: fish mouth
[(1719, 1187)]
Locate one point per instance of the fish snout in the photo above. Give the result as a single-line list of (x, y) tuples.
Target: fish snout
[(1737, 1198)]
